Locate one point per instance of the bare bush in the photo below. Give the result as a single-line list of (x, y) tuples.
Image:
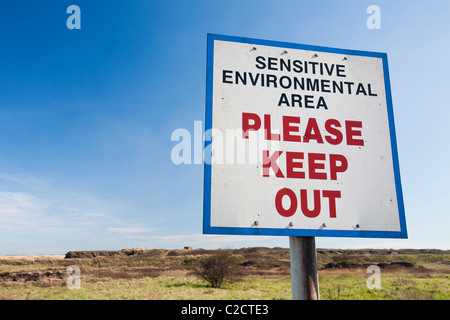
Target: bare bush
[(217, 268)]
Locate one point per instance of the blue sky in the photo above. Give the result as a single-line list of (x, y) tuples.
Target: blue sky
[(86, 115)]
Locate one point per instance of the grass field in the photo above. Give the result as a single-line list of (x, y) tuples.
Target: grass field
[(264, 274)]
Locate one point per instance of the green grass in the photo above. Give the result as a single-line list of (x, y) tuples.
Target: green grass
[(393, 287), (167, 275), (343, 287), (159, 288)]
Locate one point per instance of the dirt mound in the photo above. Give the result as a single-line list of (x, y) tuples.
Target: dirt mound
[(90, 254), (348, 265), (48, 275), (400, 264), (112, 253)]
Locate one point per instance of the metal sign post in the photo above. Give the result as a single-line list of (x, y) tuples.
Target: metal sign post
[(305, 285)]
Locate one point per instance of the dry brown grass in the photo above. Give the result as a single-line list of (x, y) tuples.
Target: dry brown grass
[(135, 263), (31, 258)]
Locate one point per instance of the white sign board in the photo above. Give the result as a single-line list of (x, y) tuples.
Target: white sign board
[(303, 142)]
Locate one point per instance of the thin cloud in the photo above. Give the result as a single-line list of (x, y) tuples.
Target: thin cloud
[(130, 230), (23, 179), (20, 208), (210, 241)]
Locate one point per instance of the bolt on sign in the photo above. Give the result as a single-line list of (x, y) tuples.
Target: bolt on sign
[(302, 141)]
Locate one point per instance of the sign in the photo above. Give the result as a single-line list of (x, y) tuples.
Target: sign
[(300, 141)]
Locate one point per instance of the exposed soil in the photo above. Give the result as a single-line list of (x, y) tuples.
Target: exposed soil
[(43, 276)]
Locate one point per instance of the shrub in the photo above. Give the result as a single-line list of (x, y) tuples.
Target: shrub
[(217, 268)]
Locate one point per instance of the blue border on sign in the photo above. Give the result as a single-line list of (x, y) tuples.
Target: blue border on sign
[(208, 229)]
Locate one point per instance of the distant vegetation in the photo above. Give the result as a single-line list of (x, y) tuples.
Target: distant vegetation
[(217, 268), (257, 273)]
